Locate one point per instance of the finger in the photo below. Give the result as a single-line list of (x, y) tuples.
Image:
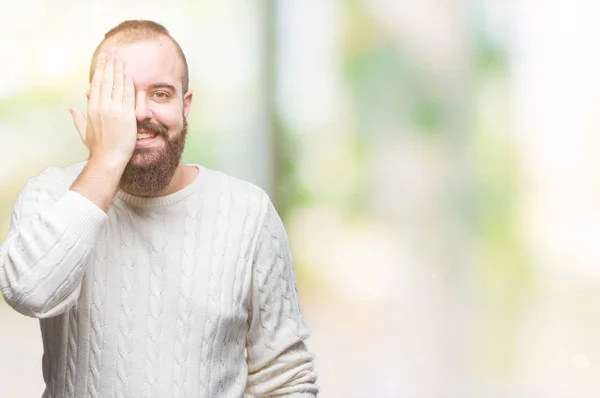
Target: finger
[(79, 121), (94, 99), (128, 93), (117, 92), (107, 80)]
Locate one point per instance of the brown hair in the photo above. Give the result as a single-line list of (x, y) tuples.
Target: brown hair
[(136, 30)]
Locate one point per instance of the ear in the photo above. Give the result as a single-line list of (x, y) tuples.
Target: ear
[(187, 102), (87, 95)]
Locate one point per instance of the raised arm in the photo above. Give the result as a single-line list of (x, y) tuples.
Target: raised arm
[(54, 228), (52, 234)]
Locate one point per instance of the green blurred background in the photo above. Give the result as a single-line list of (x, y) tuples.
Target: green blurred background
[(435, 164)]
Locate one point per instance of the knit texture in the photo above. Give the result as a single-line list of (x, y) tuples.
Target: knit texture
[(188, 295)]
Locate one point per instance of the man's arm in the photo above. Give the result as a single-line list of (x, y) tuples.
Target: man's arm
[(278, 361), (52, 234), (53, 229)]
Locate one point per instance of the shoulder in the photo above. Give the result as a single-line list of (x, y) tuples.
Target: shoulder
[(54, 179), (57, 177), (45, 188), (238, 195), (237, 188)]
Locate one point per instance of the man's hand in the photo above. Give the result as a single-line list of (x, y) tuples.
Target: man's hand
[(110, 131), (111, 128)]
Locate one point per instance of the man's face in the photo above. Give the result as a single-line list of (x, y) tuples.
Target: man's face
[(161, 110)]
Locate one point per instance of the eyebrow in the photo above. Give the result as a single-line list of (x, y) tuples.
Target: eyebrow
[(166, 86)]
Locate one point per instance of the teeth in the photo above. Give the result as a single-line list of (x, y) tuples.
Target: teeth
[(145, 136)]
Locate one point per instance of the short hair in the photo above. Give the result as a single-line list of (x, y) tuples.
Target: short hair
[(137, 30)]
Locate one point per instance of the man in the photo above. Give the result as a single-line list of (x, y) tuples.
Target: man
[(153, 278)]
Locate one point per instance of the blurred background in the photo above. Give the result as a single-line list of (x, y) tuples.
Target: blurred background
[(436, 164)]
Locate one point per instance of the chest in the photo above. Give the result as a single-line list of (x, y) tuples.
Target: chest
[(165, 271)]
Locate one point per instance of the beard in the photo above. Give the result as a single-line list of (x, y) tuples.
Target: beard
[(158, 166)]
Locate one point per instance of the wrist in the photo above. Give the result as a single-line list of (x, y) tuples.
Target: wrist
[(109, 161)]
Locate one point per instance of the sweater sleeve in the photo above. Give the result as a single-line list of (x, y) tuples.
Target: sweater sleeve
[(279, 364), (52, 234)]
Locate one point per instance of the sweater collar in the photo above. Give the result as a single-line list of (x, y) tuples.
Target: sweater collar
[(140, 201)]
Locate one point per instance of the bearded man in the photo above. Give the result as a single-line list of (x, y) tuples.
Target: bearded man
[(150, 277)]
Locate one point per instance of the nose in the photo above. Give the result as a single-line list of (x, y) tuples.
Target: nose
[(142, 110)]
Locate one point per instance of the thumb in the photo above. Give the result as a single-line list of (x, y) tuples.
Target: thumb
[(79, 121)]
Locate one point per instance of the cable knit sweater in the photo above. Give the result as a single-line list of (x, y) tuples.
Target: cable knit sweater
[(187, 295)]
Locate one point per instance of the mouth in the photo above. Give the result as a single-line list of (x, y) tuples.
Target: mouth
[(145, 138)]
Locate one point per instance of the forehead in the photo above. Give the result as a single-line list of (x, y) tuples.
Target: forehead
[(150, 61)]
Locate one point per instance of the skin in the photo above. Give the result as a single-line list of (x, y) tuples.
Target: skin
[(133, 83)]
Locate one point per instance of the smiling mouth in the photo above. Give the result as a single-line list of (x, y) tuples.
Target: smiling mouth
[(145, 139), (144, 135)]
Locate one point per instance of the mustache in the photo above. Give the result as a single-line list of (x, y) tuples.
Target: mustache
[(150, 127)]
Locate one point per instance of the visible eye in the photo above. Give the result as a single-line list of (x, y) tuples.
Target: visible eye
[(161, 95)]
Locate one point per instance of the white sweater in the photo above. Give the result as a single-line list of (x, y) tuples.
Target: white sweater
[(187, 295)]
